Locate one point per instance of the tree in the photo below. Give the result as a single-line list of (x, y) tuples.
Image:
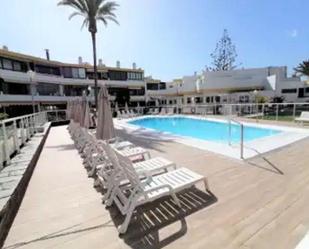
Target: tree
[(303, 68), (93, 11), (224, 56)]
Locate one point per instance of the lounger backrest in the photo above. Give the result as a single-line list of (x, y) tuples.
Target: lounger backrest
[(128, 168), (304, 115)]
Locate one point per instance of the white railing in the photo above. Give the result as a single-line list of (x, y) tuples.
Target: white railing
[(241, 141), (16, 132)]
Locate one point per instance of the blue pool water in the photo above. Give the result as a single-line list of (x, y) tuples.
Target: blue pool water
[(203, 129)]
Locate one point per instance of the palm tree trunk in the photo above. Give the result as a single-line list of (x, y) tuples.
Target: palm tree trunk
[(95, 70)]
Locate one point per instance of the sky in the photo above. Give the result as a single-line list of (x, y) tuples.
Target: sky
[(167, 38)]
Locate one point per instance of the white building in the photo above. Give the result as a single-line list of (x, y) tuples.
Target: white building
[(236, 86)]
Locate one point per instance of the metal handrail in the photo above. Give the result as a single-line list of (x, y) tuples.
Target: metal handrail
[(230, 120)]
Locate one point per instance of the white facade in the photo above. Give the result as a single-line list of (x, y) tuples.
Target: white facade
[(242, 85)]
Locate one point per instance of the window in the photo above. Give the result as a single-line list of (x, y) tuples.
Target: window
[(67, 72), (16, 66), (117, 75), (81, 73), (291, 90), (75, 73), (189, 100), (217, 99), (162, 85), (135, 76), (47, 70), (7, 64), (152, 86), (48, 89)]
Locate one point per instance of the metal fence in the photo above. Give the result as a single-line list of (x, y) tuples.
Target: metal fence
[(267, 111), (16, 132)]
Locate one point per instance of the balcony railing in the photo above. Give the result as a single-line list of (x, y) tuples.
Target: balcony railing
[(16, 132)]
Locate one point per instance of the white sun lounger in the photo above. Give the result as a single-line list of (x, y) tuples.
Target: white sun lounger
[(107, 175), (304, 117), (150, 188), (155, 111), (134, 152), (170, 111)]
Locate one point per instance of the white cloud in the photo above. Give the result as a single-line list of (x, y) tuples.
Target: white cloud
[(293, 33)]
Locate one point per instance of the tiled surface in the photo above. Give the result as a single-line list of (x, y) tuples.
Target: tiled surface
[(260, 203)]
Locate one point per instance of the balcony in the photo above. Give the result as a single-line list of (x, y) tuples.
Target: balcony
[(13, 76)]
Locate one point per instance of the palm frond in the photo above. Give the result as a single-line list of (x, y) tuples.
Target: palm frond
[(92, 11), (75, 14)]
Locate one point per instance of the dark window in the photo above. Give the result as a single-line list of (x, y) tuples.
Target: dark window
[(74, 90), (198, 100), (117, 75), (189, 100), (301, 92), (47, 70), (152, 86), (13, 65), (217, 98), (137, 92), (15, 88), (162, 85), (291, 90), (48, 89), (67, 72)]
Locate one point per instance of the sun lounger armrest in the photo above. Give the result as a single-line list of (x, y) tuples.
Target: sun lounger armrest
[(160, 187), (147, 175)]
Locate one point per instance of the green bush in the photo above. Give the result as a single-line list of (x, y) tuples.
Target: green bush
[(3, 115)]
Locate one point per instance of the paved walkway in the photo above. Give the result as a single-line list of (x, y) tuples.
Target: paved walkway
[(261, 203)]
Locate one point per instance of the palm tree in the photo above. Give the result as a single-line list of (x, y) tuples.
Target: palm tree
[(303, 68), (93, 11)]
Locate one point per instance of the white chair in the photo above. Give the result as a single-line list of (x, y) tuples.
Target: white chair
[(132, 113), (108, 174), (163, 111), (150, 188), (135, 153), (155, 111), (170, 111), (304, 117)]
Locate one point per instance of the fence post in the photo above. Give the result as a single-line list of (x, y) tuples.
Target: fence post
[(241, 141), (57, 116), (16, 140), (5, 144), (294, 112), (277, 111), (263, 111), (22, 131)]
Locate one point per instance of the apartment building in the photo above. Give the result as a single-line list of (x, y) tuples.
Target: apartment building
[(236, 86), (28, 82)]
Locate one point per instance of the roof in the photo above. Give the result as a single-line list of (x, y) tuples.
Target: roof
[(30, 58)]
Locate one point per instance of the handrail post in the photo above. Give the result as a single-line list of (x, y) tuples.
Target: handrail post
[(241, 141), (277, 112), (230, 123), (294, 111), (57, 116), (22, 131), (16, 140), (5, 144)]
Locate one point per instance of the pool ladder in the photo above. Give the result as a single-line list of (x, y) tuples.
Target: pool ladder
[(230, 121)]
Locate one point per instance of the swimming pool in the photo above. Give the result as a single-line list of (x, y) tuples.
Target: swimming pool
[(209, 130)]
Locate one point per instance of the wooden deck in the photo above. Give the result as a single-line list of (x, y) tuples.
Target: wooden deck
[(260, 203)]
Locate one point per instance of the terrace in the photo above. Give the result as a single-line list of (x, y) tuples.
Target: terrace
[(257, 203)]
